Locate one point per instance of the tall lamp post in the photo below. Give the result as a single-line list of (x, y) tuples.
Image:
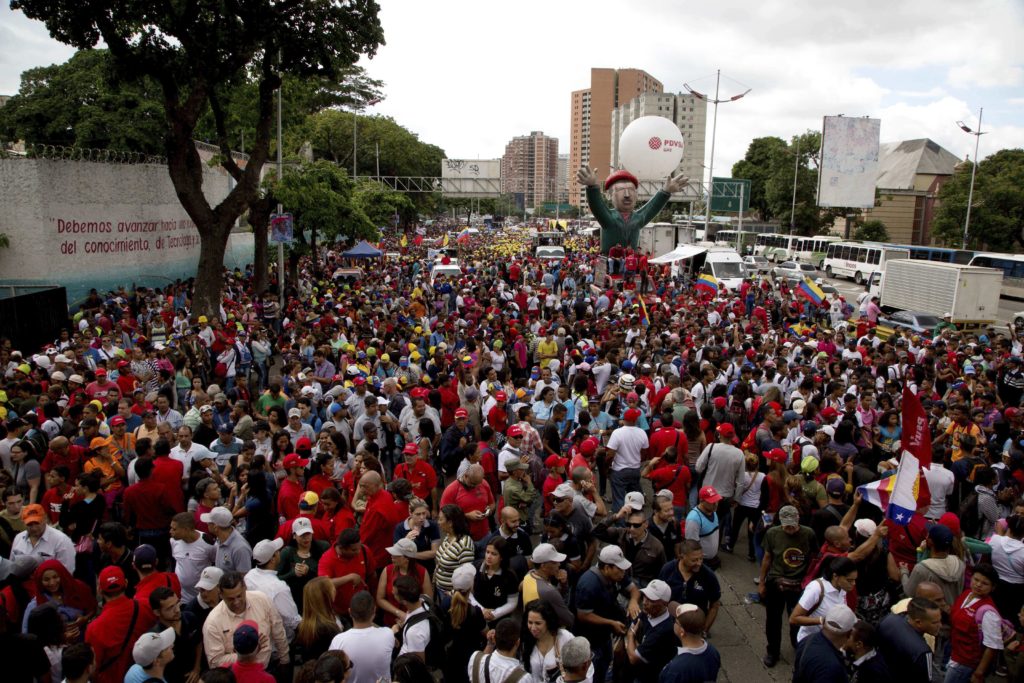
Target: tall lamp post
[(974, 168), (714, 130)]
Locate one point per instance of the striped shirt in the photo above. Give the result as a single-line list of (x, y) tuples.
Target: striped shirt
[(451, 554)]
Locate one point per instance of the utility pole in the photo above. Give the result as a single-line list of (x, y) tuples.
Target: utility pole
[(280, 208), (796, 168)]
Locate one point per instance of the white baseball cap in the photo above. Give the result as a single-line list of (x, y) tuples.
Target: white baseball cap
[(264, 550), (209, 579), (840, 619), (635, 500), (403, 547), (612, 554), (463, 577), (302, 526), (149, 646), (218, 516), (545, 552), (657, 590), (564, 490)]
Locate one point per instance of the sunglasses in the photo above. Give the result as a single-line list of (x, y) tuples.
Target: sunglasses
[(634, 525)]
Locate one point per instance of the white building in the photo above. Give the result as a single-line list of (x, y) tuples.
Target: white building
[(685, 110)]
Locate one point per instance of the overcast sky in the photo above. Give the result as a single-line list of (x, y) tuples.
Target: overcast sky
[(470, 75)]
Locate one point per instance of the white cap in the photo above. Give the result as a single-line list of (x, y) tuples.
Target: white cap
[(218, 516), (840, 619), (463, 577), (210, 578), (947, 314), (635, 500), (302, 526), (612, 554), (657, 590), (149, 646), (865, 527), (686, 607), (58, 376), (403, 547), (264, 550), (61, 358), (545, 552), (666, 494), (564, 490), (294, 412)]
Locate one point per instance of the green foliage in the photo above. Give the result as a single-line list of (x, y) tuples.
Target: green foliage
[(321, 198), (5, 240), (402, 153), (380, 204), (77, 104), (757, 166), (997, 211), (872, 230)]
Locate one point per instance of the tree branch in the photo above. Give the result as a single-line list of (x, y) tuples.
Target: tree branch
[(227, 161)]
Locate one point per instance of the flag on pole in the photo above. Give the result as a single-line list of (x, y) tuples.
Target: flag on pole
[(404, 241), (444, 242), (644, 318), (811, 291), (463, 235), (708, 283), (418, 240)]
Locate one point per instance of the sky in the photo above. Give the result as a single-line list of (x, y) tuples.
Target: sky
[(470, 75)]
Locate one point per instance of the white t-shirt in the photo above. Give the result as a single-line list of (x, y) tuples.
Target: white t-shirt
[(627, 442), (811, 596), (751, 490), (940, 484), (539, 663), (499, 666), (370, 652), (195, 453), (416, 636), (190, 559)]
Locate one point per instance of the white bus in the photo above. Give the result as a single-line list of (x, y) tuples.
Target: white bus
[(762, 242), (780, 248), (812, 249), (859, 260), (1012, 266)]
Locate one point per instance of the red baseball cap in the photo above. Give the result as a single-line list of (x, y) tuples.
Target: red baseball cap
[(776, 455), (293, 460), (632, 415), (830, 412), (555, 461), (589, 446), (461, 412), (100, 372), (358, 381), (727, 430), (719, 401), (303, 444), (117, 420), (411, 449), (514, 431), (501, 396), (708, 494), (112, 580), (775, 406)]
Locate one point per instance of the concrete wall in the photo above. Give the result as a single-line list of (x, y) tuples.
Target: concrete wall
[(83, 224)]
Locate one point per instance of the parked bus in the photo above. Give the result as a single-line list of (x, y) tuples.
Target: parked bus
[(812, 249), (729, 238), (860, 260), (762, 241), (780, 248), (1012, 266), (939, 254)]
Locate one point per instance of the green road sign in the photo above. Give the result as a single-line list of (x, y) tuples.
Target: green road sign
[(725, 195)]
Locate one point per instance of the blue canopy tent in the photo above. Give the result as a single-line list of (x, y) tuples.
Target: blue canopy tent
[(363, 250)]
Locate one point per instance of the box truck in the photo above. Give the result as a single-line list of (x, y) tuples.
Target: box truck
[(969, 293)]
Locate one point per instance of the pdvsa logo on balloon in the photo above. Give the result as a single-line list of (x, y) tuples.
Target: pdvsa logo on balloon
[(651, 147), (654, 143)]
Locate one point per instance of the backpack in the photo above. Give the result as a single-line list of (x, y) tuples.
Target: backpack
[(436, 651), (969, 522), (1006, 629)]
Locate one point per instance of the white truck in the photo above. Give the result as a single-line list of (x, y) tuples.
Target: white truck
[(969, 293), (657, 239)]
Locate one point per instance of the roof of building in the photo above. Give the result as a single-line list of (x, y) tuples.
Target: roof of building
[(900, 162)]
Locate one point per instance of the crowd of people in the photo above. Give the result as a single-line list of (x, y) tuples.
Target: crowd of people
[(523, 473)]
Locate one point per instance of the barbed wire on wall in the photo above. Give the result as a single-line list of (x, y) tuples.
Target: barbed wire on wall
[(33, 150)]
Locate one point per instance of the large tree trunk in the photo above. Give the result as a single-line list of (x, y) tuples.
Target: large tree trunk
[(210, 273), (259, 219)]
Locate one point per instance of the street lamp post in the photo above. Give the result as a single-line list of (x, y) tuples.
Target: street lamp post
[(714, 130), (796, 169), (974, 168)]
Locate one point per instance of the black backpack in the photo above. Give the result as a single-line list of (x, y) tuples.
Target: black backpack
[(970, 524), (434, 656)]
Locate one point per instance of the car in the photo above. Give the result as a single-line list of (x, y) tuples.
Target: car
[(792, 269), (756, 264), (550, 253), (918, 322), (451, 269)]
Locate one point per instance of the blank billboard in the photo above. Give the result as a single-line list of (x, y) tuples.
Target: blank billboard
[(471, 177), (849, 162)]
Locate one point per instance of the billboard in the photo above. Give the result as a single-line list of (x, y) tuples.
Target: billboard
[(849, 162), (471, 177), (725, 195)]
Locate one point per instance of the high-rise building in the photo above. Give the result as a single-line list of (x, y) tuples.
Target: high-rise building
[(562, 177), (689, 113), (529, 169), (591, 123)]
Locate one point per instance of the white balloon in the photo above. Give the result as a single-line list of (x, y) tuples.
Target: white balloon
[(651, 147)]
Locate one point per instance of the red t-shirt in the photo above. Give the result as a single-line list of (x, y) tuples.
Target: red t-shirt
[(476, 499), (421, 475), (321, 530), (663, 439), (250, 672), (288, 498), (665, 477), (334, 567)]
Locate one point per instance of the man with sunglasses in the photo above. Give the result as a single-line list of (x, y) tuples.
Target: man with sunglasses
[(638, 545)]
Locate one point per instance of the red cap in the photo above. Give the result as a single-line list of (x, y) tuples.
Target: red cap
[(776, 407), (751, 353), (727, 430), (1011, 412), (555, 461), (358, 381), (951, 522), (621, 175), (411, 449), (719, 401), (632, 415), (461, 412), (513, 431), (303, 444), (589, 446), (101, 372), (112, 580), (501, 396), (123, 364), (293, 460), (829, 412), (776, 455), (708, 494)]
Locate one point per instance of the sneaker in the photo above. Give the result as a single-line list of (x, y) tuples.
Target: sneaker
[(770, 660), (757, 580)]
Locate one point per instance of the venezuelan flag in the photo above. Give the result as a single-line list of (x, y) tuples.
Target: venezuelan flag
[(707, 282), (645, 319), (809, 290), (463, 235), (444, 242)]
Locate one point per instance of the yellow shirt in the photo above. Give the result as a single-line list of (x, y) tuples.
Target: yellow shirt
[(547, 352), (954, 431)]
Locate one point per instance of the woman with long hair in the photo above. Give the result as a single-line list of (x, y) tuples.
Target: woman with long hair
[(823, 594), (496, 587), (334, 511), (72, 598), (410, 668), (333, 666), (257, 507), (542, 641), (300, 559), (319, 623), (419, 529), (456, 546), (403, 563), (112, 474), (26, 470), (465, 626), (82, 511)]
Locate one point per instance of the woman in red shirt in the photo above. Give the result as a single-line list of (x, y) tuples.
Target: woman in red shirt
[(976, 633), (403, 563)]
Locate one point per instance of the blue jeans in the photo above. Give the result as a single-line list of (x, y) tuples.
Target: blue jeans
[(601, 658), (623, 481), (958, 673)]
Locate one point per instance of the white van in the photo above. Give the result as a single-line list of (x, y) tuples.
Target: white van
[(727, 267)]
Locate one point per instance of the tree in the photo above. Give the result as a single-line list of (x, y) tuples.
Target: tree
[(872, 230), (997, 208), (380, 204), (757, 166), (197, 54)]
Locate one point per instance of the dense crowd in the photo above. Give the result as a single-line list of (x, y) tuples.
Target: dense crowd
[(526, 472)]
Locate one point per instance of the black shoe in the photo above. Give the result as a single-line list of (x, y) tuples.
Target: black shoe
[(770, 660)]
